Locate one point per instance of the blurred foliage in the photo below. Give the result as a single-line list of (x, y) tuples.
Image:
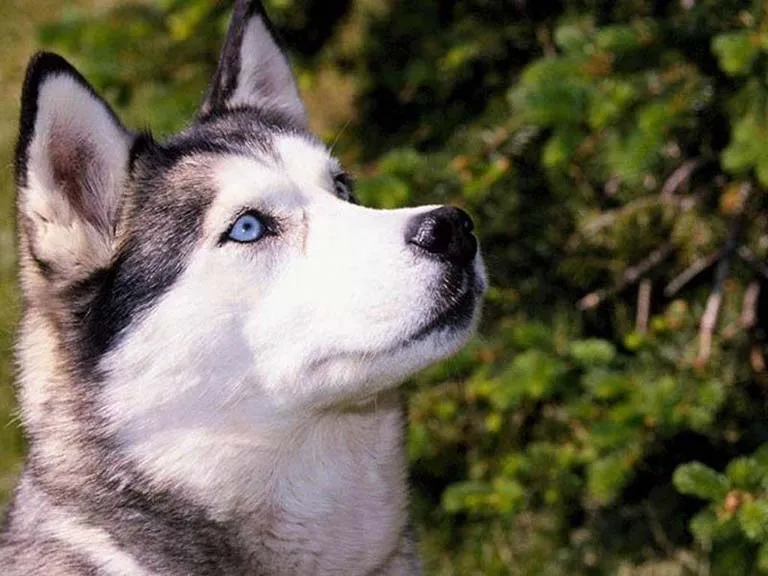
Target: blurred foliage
[(612, 416)]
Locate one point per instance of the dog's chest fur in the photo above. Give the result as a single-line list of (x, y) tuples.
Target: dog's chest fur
[(329, 499), (338, 505), (326, 496)]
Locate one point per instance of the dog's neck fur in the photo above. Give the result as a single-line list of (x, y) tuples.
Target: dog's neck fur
[(319, 493), (341, 487), (332, 480)]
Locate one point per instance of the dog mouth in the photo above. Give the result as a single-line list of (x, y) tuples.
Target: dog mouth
[(453, 315), (459, 312)]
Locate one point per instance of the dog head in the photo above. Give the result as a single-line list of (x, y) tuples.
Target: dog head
[(228, 270)]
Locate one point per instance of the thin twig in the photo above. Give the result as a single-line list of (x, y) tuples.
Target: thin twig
[(709, 318), (756, 359), (678, 177), (748, 317), (607, 219), (657, 530), (630, 276), (663, 541), (697, 267), (643, 306), (715, 299)]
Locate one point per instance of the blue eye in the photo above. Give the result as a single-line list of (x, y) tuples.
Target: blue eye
[(247, 228)]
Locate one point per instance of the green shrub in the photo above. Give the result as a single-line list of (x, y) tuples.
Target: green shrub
[(613, 154)]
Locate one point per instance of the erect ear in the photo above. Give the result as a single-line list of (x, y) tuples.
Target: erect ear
[(71, 162), (253, 72)]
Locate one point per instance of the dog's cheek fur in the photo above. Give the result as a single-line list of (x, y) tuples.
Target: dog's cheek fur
[(73, 455), (162, 227)]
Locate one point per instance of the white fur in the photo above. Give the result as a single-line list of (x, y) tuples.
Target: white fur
[(93, 543), (261, 380), (43, 383)]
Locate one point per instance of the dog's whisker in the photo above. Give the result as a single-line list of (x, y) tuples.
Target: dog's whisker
[(338, 136)]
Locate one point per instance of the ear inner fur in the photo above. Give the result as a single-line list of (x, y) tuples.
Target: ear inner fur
[(253, 70), (71, 163)]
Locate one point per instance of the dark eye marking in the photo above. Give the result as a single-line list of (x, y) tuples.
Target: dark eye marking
[(344, 185)]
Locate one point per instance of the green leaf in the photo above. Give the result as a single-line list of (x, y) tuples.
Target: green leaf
[(606, 384), (574, 36), (732, 558), (532, 335), (696, 479), (607, 476), (611, 102), (760, 456), (606, 436), (744, 473), (551, 93), (534, 372), (466, 496), (704, 525), (744, 149), (561, 147), (753, 518), (735, 52), (592, 352), (660, 398), (710, 395), (762, 558), (618, 39), (507, 495), (385, 190)]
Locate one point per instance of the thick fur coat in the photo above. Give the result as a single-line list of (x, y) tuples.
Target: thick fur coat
[(213, 336)]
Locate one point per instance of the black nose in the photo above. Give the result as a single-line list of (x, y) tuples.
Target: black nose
[(444, 232)]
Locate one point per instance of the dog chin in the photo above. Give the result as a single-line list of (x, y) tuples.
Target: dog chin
[(360, 375), (443, 334), (447, 332), (455, 316)]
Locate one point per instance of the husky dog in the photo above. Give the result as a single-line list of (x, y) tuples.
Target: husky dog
[(213, 336)]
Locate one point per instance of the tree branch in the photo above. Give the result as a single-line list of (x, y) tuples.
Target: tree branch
[(697, 267), (712, 309), (678, 177), (643, 306), (748, 317), (630, 276), (607, 219)]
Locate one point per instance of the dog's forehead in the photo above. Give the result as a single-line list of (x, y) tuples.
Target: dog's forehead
[(304, 158), (287, 174)]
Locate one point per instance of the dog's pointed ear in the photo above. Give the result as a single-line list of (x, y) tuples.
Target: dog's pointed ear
[(72, 160), (253, 71)]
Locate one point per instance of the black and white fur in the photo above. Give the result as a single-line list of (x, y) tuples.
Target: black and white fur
[(197, 406)]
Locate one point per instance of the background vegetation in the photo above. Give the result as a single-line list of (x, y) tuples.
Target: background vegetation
[(611, 417)]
